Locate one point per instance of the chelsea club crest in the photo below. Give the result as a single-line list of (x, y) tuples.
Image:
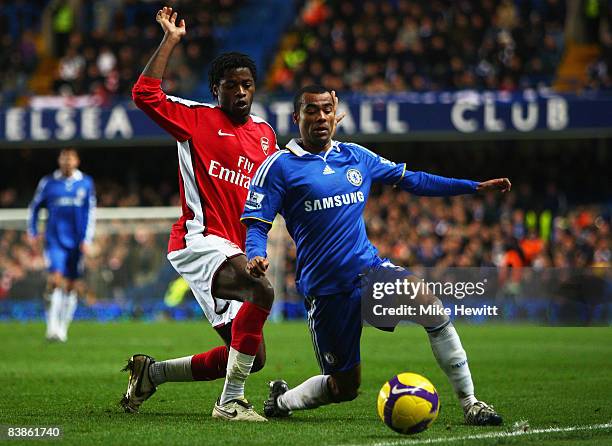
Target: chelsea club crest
[(354, 177), (330, 358)]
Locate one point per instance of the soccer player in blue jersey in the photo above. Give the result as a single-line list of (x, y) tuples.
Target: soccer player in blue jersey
[(70, 198), (320, 187)]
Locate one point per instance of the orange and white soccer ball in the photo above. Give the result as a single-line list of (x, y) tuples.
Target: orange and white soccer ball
[(408, 403)]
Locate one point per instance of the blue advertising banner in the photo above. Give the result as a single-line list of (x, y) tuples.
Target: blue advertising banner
[(403, 116)]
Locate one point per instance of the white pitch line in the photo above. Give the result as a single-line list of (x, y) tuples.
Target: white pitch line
[(494, 435)]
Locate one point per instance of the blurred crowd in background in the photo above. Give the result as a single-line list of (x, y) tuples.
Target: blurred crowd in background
[(600, 71), (123, 257), (98, 48), (403, 45), (19, 47), (487, 230), (558, 214)]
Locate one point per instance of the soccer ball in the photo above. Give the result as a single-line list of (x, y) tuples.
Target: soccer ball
[(408, 403)]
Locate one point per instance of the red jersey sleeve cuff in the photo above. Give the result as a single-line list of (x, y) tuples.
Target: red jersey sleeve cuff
[(149, 81)]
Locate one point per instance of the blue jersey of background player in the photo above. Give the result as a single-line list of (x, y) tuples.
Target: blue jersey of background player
[(70, 199), (320, 187)]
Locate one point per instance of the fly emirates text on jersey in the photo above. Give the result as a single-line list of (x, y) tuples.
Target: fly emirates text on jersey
[(237, 176)]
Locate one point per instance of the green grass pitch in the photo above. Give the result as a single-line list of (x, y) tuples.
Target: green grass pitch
[(551, 377)]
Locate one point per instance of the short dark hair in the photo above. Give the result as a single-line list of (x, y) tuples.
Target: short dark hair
[(315, 89), (69, 149), (229, 61)]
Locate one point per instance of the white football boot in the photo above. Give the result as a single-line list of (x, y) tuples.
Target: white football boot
[(140, 388), (237, 409)]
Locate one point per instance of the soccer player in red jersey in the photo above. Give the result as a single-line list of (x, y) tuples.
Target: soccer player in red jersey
[(219, 148)]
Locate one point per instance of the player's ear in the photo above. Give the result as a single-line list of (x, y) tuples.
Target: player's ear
[(215, 92), (295, 117)]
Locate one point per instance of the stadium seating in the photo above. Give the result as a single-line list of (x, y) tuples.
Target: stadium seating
[(99, 48), (420, 45), (19, 46)]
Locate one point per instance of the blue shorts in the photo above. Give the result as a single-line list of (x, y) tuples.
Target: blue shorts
[(335, 326), (67, 262), (335, 321)]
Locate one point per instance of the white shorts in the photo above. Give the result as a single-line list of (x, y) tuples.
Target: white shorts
[(198, 264)]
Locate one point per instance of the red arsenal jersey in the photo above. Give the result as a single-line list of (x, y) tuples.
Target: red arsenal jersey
[(216, 161)]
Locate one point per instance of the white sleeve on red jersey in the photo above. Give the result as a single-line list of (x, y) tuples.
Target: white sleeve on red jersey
[(175, 115), (259, 120)]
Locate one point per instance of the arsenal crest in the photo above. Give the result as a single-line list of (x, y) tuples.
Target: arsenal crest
[(265, 144)]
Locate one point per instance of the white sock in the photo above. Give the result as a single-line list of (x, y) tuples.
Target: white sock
[(467, 402), (175, 370), (310, 394), (451, 357), (238, 369), (69, 306), (53, 313)]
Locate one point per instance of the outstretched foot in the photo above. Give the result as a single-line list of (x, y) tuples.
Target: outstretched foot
[(481, 414), (271, 408), (140, 388)]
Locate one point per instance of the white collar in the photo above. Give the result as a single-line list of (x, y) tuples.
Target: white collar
[(76, 175), (297, 150)]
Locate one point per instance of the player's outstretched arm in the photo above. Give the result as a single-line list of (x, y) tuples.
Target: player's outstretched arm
[(176, 118), (423, 183), (173, 34)]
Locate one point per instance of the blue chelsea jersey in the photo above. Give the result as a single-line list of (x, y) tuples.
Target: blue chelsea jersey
[(322, 199), (70, 202)]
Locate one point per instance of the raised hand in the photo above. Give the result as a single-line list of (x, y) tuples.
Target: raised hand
[(502, 184), (167, 20)]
